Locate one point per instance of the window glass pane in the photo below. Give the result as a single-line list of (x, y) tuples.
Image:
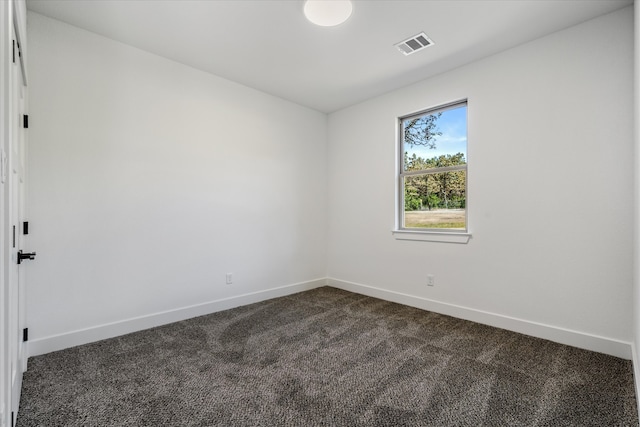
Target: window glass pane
[(435, 140), (435, 200)]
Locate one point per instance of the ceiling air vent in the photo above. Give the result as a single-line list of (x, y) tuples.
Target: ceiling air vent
[(414, 44)]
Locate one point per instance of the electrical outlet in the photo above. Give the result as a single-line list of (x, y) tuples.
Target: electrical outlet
[(431, 280), (229, 278)]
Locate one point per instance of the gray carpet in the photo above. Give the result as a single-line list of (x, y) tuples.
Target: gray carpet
[(327, 357)]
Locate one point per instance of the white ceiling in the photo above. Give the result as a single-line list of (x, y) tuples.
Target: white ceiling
[(269, 45)]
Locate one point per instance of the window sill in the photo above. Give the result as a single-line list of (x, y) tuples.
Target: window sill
[(432, 236)]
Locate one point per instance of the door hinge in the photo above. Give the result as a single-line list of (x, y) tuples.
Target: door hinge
[(14, 236), (25, 335), (14, 51), (25, 228), (25, 121), (13, 420)]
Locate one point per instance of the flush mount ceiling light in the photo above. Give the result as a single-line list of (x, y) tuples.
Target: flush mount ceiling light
[(328, 13)]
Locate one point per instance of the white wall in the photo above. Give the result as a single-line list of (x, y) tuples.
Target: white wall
[(150, 180), (550, 192)]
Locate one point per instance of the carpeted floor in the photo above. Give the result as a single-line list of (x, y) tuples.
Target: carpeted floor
[(327, 357)]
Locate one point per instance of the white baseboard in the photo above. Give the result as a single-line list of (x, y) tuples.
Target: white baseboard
[(552, 333), (111, 330), (578, 339), (636, 372)]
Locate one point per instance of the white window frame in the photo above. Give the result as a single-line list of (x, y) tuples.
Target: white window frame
[(427, 234)]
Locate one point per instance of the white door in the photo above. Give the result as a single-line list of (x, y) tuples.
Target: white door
[(16, 188)]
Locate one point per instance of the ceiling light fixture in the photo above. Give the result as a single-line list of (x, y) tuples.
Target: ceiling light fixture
[(328, 13)]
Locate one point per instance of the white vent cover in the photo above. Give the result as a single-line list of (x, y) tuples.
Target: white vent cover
[(414, 44)]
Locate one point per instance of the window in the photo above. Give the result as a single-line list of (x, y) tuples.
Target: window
[(433, 170)]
